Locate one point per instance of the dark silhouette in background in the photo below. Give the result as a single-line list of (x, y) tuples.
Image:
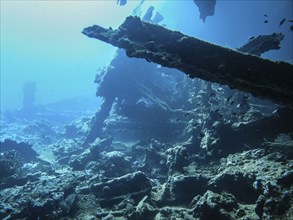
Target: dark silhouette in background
[(28, 103)]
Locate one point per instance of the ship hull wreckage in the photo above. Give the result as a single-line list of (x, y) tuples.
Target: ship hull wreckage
[(197, 58)]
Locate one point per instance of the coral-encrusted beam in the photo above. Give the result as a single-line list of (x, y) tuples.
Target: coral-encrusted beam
[(198, 58)]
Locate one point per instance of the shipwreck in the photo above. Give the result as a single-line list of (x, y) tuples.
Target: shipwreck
[(197, 58)]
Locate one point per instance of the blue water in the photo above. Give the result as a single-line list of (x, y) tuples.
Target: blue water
[(41, 41), (155, 142)]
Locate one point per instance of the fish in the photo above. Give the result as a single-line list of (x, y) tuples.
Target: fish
[(251, 38), (265, 15), (121, 2), (282, 21), (291, 27), (290, 21), (266, 21), (186, 114)]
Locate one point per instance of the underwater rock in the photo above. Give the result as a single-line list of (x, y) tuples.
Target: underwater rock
[(146, 209), (115, 163), (248, 183), (10, 163), (77, 129), (206, 8), (182, 189), (45, 197), (262, 44), (197, 58), (93, 153), (177, 158), (277, 205), (260, 205), (240, 186), (215, 206), (68, 203), (262, 129), (230, 182), (271, 197), (286, 179), (24, 149), (151, 160), (135, 185)]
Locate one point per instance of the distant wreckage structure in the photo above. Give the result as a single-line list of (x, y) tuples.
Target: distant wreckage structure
[(197, 58)]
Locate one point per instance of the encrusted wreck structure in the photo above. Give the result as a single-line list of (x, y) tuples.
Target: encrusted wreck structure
[(197, 58), (262, 44), (206, 8)]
